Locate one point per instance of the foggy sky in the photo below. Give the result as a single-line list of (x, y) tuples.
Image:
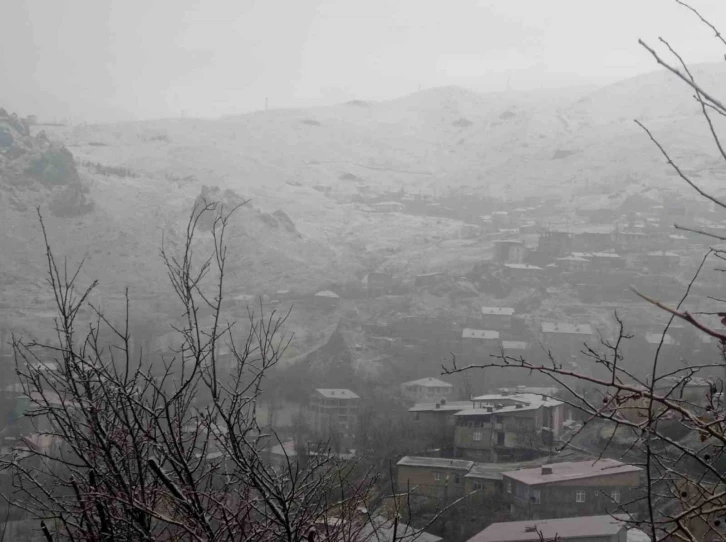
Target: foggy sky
[(121, 59)]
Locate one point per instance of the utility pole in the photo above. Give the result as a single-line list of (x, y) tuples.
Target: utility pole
[(266, 103)]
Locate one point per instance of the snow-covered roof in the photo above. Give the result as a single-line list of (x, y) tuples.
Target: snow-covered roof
[(562, 327), (497, 311), (654, 338), (522, 266), (326, 293), (486, 334), (337, 393), (428, 383), (514, 345)]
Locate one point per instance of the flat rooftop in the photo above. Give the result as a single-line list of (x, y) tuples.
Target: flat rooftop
[(548, 529)]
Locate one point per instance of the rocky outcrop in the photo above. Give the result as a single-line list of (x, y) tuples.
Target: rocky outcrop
[(35, 171)]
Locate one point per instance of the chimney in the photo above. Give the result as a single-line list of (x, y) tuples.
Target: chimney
[(443, 401), (530, 529), (438, 405), (518, 405), (490, 409), (546, 470)]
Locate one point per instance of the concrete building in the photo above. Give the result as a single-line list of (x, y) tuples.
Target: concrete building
[(427, 390), (333, 412), (479, 343), (509, 251), (576, 529), (573, 263), (570, 488), (438, 418), (497, 318), (555, 243), (564, 339), (436, 477), (508, 426)]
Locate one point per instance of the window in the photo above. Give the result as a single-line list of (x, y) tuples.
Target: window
[(437, 476), (615, 495), (535, 496), (579, 496), (478, 486), (457, 480), (416, 416), (509, 486), (477, 435)]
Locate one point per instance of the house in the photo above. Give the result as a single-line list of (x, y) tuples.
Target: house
[(438, 418), (426, 389), (670, 351), (604, 262), (509, 251), (333, 412), (428, 279), (497, 318), (436, 477), (549, 391), (378, 284), (573, 263), (514, 348), (326, 299), (565, 340), (593, 239), (479, 343), (555, 243), (523, 271), (662, 259), (282, 455), (512, 426), (570, 488), (693, 390), (486, 479), (604, 528), (630, 241)]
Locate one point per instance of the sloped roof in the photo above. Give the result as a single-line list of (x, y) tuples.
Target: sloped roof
[(435, 462), (514, 345), (428, 383), (654, 338), (481, 411), (326, 293), (497, 311), (571, 470), (522, 266), (486, 334), (664, 254), (337, 393), (564, 327)]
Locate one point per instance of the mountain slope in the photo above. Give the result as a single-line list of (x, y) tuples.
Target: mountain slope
[(301, 169)]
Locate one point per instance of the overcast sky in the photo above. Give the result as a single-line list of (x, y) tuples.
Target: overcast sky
[(114, 59)]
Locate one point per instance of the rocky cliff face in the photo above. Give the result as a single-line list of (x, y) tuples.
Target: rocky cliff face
[(35, 171)]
